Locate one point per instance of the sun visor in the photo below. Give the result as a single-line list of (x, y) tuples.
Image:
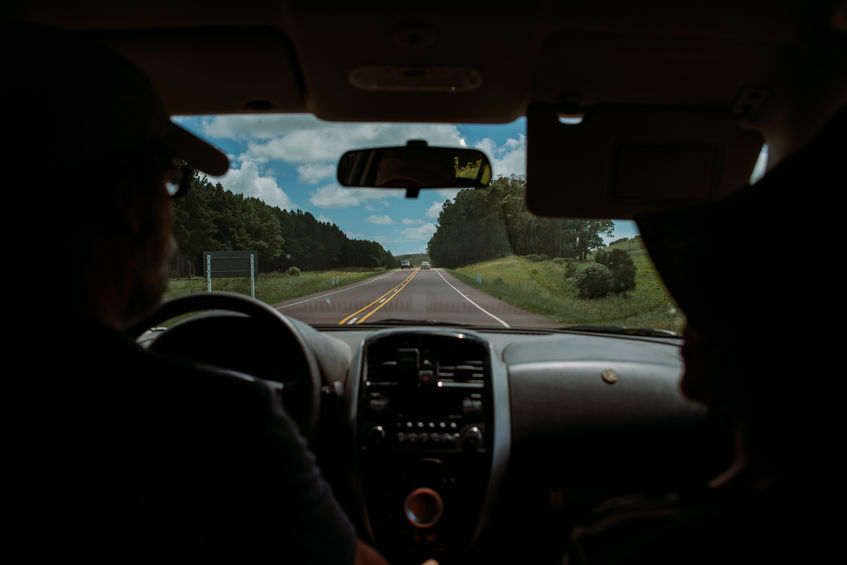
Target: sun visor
[(215, 70), (617, 161)]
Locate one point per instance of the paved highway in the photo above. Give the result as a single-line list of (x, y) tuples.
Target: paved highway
[(417, 294)]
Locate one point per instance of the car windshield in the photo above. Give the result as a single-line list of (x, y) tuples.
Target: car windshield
[(280, 227)]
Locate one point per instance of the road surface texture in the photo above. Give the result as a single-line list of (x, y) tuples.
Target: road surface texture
[(419, 294)]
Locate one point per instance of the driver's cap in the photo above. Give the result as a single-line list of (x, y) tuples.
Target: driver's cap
[(69, 103)]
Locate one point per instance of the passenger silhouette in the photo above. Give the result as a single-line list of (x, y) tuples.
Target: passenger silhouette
[(754, 357)]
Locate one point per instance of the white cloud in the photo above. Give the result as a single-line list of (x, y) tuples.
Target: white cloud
[(313, 173), (423, 232), (487, 146), (410, 222), (334, 196), (303, 137), (255, 126), (383, 220), (507, 159), (449, 192), (250, 181), (434, 210), (304, 146)]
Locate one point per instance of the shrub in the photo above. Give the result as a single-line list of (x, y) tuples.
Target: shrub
[(595, 281), (622, 267), (570, 270), (293, 271), (625, 278)]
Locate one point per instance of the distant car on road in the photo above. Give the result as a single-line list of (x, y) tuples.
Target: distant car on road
[(425, 265), (405, 265)]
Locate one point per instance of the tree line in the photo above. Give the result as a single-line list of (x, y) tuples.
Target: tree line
[(479, 225), (210, 218)]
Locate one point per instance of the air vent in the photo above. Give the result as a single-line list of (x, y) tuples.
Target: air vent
[(381, 371), (462, 370), (458, 369)]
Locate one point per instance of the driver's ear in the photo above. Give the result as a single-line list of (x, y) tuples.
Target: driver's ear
[(128, 209), (129, 206)]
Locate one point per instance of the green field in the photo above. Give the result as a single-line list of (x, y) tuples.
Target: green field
[(275, 287), (538, 284)]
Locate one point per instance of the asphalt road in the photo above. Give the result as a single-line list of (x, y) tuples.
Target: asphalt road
[(417, 294)]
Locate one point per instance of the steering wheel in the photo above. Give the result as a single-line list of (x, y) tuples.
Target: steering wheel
[(236, 333)]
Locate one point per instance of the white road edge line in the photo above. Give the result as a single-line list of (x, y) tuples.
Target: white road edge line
[(335, 292), (471, 301)]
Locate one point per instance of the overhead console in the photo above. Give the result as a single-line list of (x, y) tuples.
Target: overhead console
[(425, 427)]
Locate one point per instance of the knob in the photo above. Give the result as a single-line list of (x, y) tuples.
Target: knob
[(423, 507), (471, 438), (376, 435)]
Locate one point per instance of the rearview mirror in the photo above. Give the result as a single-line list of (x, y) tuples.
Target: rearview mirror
[(413, 167)]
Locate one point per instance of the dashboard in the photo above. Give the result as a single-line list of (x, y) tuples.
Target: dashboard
[(469, 445)]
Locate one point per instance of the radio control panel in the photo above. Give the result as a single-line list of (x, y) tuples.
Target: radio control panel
[(425, 393)]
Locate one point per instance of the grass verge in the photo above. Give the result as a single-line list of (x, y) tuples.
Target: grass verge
[(274, 287), (538, 284)]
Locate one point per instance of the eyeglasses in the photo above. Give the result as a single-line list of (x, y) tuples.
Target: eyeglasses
[(179, 179)]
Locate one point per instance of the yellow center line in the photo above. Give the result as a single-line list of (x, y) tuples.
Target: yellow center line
[(382, 300)]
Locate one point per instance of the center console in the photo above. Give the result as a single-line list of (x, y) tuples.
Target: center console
[(425, 428)]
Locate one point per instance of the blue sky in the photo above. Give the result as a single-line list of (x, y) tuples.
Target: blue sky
[(289, 162)]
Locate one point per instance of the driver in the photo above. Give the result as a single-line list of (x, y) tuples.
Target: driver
[(129, 455)]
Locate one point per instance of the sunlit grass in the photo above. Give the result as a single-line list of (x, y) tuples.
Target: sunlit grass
[(539, 285), (275, 287)]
